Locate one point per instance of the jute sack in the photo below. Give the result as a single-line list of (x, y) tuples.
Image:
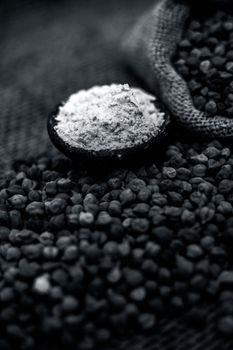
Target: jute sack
[(149, 49)]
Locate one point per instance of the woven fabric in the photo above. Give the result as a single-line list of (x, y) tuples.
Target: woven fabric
[(150, 47), (50, 49)]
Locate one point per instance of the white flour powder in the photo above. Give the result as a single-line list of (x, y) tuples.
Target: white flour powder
[(108, 118)]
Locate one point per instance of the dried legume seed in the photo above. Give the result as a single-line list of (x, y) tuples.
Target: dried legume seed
[(161, 249)]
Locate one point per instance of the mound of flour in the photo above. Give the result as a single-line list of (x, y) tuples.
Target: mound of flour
[(109, 117)]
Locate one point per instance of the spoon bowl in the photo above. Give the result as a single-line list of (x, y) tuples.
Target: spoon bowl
[(128, 154)]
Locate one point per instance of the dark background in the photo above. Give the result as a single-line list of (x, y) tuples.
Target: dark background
[(49, 49)]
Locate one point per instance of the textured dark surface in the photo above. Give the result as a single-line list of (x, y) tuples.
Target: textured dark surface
[(48, 50)]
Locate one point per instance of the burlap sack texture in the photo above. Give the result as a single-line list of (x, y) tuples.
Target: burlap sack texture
[(149, 48)]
